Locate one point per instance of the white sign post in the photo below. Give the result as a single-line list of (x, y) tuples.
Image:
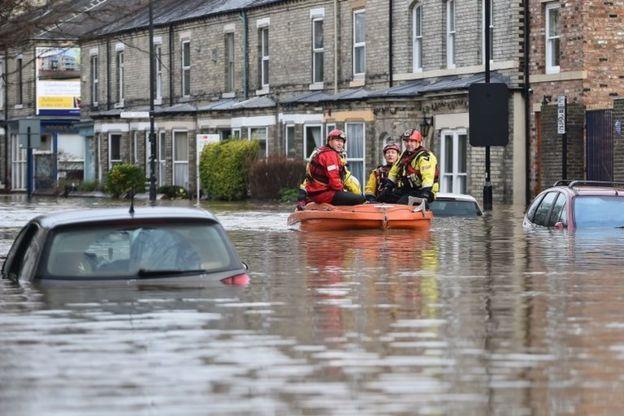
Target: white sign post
[(561, 114), (202, 140)]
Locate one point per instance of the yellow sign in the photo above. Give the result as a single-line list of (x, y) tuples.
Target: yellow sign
[(55, 102)]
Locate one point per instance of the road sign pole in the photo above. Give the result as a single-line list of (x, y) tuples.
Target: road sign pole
[(562, 117)]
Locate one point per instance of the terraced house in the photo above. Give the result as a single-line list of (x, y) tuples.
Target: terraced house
[(284, 72)]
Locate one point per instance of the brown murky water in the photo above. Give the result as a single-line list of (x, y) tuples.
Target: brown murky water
[(475, 317)]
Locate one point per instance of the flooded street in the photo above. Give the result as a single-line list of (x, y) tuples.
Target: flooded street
[(475, 317)]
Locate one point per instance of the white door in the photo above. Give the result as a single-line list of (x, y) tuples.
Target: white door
[(181, 159), (18, 165), (453, 161)]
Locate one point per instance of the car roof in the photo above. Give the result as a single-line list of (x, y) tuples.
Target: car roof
[(110, 214), (457, 197), (586, 188)]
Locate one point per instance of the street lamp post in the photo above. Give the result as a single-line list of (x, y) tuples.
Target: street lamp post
[(487, 187), (152, 135)]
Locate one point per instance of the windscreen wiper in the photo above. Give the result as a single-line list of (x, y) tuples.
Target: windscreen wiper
[(165, 272)]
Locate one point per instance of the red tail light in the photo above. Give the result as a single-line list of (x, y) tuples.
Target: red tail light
[(238, 280)]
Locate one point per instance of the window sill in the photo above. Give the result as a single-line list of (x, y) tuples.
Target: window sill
[(358, 81), (561, 76), (315, 86), (228, 95), (263, 91), (157, 101), (19, 106), (119, 105)]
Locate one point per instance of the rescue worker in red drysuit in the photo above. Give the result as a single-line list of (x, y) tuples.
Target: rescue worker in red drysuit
[(378, 176), (415, 174), (326, 171)]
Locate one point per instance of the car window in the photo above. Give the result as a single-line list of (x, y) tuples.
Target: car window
[(555, 215), (533, 208), (599, 211), (446, 208), (126, 252), (543, 210), (20, 253)]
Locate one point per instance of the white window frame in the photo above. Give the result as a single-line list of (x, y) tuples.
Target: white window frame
[(236, 133), (186, 68), (266, 137), (483, 31), (551, 69), (174, 155), (120, 64), (318, 52), (450, 34), (111, 161), (357, 45), (159, 73), (452, 172), (358, 159), (264, 47), (94, 76), (417, 42), (286, 142), (229, 62), (135, 147), (161, 148), (305, 138)]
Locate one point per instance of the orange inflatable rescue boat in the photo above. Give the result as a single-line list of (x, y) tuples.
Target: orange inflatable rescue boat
[(327, 217)]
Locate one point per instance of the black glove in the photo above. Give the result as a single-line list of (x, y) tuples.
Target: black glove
[(387, 185), (303, 195), (426, 194), (370, 198)]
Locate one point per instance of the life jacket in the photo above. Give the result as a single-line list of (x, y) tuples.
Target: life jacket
[(409, 176), (381, 173), (315, 171)]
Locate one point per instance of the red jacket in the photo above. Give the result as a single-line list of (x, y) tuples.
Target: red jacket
[(324, 175)]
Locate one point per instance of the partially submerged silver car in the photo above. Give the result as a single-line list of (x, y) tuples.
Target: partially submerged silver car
[(114, 244)]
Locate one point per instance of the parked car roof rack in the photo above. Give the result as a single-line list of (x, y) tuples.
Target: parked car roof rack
[(562, 182), (572, 184)]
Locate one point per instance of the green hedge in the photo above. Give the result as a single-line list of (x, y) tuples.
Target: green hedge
[(124, 178), (224, 167)]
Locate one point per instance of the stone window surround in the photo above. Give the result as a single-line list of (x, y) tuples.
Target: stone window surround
[(184, 68), (119, 72), (417, 10), (262, 25), (358, 76), (158, 70)]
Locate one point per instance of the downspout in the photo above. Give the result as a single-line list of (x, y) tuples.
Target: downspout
[(171, 39), (108, 75), (335, 46), (243, 16), (527, 102), (5, 87), (390, 69)]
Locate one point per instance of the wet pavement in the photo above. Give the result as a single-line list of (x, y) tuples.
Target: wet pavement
[(475, 317)]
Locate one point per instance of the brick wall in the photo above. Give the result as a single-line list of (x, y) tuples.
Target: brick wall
[(552, 147)]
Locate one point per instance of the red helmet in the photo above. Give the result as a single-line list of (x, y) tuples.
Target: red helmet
[(391, 146), (412, 134), (336, 134)]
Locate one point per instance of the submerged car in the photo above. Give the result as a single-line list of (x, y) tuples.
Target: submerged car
[(455, 205), (117, 244), (578, 204)]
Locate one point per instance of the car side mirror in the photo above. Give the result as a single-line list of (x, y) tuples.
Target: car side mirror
[(560, 226)]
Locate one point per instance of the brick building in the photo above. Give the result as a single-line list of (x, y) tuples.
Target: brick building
[(284, 72), (575, 52)]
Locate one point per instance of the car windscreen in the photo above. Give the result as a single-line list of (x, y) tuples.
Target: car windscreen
[(598, 211), (129, 251), (442, 208)]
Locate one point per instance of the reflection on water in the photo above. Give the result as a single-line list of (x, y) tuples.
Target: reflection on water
[(473, 317)]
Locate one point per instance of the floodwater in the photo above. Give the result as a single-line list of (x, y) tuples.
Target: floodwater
[(475, 317)]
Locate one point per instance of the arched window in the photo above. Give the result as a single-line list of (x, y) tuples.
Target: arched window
[(417, 44)]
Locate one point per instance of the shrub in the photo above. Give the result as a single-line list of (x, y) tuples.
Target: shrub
[(268, 178), (88, 186), (124, 178), (289, 195), (224, 167), (173, 192)]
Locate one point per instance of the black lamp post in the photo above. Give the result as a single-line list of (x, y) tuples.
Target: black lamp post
[(152, 135)]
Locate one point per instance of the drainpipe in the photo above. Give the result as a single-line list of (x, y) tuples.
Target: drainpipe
[(5, 87), (390, 70), (527, 102), (171, 40), (108, 75), (335, 46), (243, 16)]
